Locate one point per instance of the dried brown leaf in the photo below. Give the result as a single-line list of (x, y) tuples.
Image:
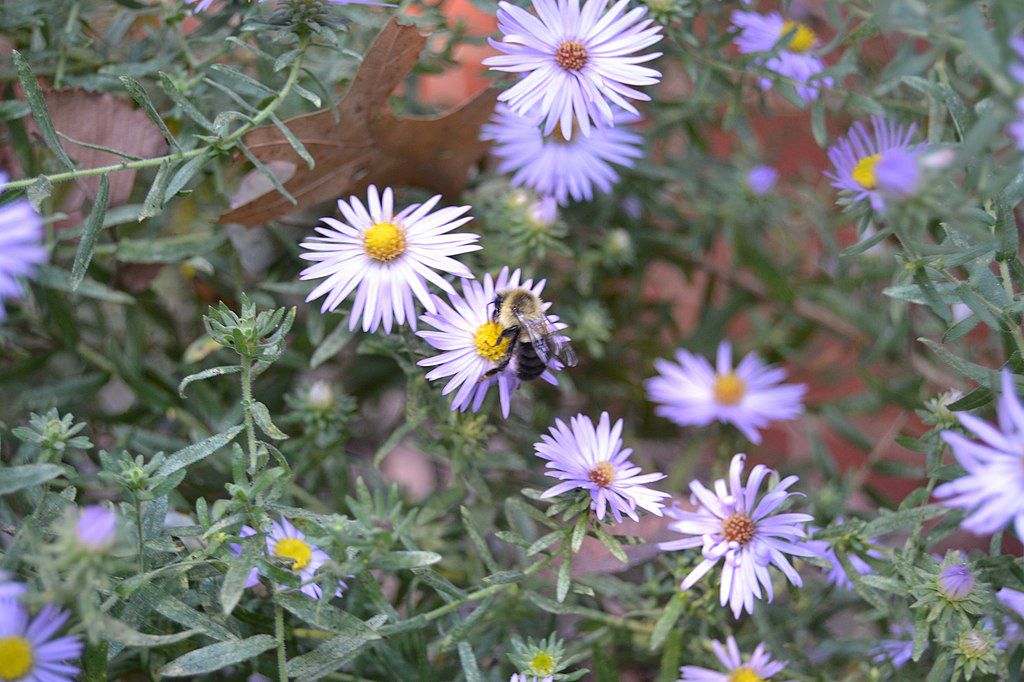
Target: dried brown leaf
[(368, 143)]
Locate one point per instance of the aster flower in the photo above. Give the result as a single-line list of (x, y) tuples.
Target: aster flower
[(203, 5), (386, 257), (897, 650), (516, 677), (835, 573), (559, 167), (791, 44), (875, 167), (736, 526), (288, 545), (253, 578), (21, 245), (467, 335), (758, 666), (992, 492), (96, 528), (586, 458), (1017, 71), (576, 65), (956, 581), (749, 397), (761, 179), (1012, 599), (9, 587), (29, 652)]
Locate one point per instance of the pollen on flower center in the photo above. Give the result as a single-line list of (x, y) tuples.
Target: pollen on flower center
[(728, 389), (738, 528), (802, 40), (295, 549), (384, 242), (485, 340), (864, 172), (603, 474), (542, 664), (744, 674), (15, 657), (571, 55)]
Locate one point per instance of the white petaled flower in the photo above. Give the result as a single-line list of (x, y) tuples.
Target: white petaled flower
[(737, 527), (692, 393), (468, 337), (759, 667), (594, 460), (386, 258), (992, 492)]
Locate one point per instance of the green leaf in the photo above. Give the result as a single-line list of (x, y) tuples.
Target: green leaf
[(326, 658), (545, 541), (261, 415), (154, 201), (296, 144), (818, 121), (207, 374), (93, 225), (468, 660), (564, 578), (183, 102), (668, 619), (197, 451), (477, 538), (173, 609), (611, 543), (37, 103), (233, 585), (117, 631), (185, 173), (579, 532), (13, 479), (217, 656), (138, 93), (889, 521), (394, 561), (324, 616), (39, 191), (170, 250)]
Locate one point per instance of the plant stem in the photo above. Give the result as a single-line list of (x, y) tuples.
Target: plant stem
[(1014, 325), (282, 654), (226, 142), (138, 527), (250, 429)]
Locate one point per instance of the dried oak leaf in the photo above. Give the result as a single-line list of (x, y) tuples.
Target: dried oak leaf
[(368, 143)]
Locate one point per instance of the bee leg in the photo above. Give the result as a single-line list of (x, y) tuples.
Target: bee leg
[(508, 333), (497, 369)]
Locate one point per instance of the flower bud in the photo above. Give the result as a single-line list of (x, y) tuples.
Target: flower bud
[(956, 582), (321, 396), (973, 644), (96, 529)]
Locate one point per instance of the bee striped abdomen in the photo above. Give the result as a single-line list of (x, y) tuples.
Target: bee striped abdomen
[(529, 366)]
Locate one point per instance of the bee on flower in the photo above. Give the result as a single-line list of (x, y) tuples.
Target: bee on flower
[(791, 47)]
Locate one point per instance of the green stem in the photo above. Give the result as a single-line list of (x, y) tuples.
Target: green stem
[(1015, 330), (250, 428), (282, 654), (224, 143), (138, 528)]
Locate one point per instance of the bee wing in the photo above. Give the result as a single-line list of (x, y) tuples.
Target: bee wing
[(546, 340)]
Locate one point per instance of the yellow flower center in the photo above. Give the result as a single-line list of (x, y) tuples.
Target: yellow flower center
[(802, 38), (485, 340), (738, 528), (571, 55), (384, 242), (542, 664), (864, 172), (603, 474), (295, 549), (15, 657), (744, 674), (728, 389)]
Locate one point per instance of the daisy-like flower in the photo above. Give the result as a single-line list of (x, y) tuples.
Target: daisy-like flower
[(287, 544), (875, 167), (21, 245), (9, 587), (735, 526), (749, 397), (992, 492), (1012, 599), (758, 667), (576, 64), (29, 652), (1016, 128), (96, 528), (555, 166), (762, 179), (792, 43), (836, 574), (898, 650), (586, 458), (386, 257), (469, 339)]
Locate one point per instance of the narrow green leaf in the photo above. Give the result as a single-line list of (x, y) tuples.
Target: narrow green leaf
[(818, 121), (197, 451), (57, 278), (173, 609), (237, 575), (116, 631), (261, 415), (477, 538), (183, 102), (217, 656), (324, 616), (138, 93), (242, 79), (468, 660), (267, 173), (93, 225), (154, 201), (37, 103), (667, 620), (184, 174), (326, 658), (39, 191), (398, 560), (296, 144), (206, 374), (13, 479), (564, 578), (612, 544), (579, 531)]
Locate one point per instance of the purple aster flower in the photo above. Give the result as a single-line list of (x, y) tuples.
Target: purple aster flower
[(530, 678), (288, 545), (898, 650), (21, 245), (236, 550), (576, 65), (734, 525), (749, 397), (992, 492), (1012, 599), (555, 166), (761, 179), (9, 587), (586, 458), (468, 337), (96, 528), (956, 582), (1016, 128), (836, 574), (793, 59), (759, 667), (29, 652), (875, 167), (386, 257), (203, 5)]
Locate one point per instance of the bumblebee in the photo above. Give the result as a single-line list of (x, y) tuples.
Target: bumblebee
[(532, 341)]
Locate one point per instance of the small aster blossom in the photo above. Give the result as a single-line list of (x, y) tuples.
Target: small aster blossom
[(836, 574), (1016, 128), (96, 528), (253, 578), (737, 527), (288, 544), (21, 245), (530, 678), (386, 257), (1012, 599), (749, 397), (577, 65), (558, 167), (898, 650), (876, 167), (992, 492), (586, 458), (793, 60), (29, 652), (762, 179), (956, 581), (464, 330), (9, 587), (758, 667)]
